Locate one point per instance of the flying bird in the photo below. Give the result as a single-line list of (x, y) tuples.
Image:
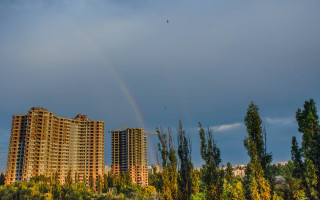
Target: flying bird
[(167, 21)]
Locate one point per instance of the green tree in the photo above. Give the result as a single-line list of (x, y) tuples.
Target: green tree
[(195, 181), (257, 186), (84, 180), (55, 177), (76, 177), (233, 190), (56, 190), (105, 183), (212, 175), (155, 179), (2, 179), (308, 125), (255, 137), (91, 182), (69, 178), (186, 166), (169, 165), (99, 184), (293, 187), (229, 174), (299, 171)]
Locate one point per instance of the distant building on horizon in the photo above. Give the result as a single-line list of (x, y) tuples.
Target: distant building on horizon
[(107, 169), (129, 152), (150, 171), (154, 169), (42, 143)]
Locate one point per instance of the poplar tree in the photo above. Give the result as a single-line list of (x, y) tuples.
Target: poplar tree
[(91, 182), (308, 125), (229, 175), (76, 177), (55, 177), (105, 183), (2, 179), (233, 188), (195, 181), (299, 171), (99, 184), (69, 178), (84, 179), (186, 166), (169, 165), (255, 137), (212, 175), (257, 186)]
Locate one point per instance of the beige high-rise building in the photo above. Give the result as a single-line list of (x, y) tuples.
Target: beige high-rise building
[(42, 143), (129, 152)]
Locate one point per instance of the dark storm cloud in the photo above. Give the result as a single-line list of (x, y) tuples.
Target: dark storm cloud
[(206, 64)]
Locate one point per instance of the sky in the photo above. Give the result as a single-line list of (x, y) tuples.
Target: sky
[(120, 61)]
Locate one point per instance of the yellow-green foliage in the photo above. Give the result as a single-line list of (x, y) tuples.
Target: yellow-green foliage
[(195, 182), (233, 191), (77, 191)]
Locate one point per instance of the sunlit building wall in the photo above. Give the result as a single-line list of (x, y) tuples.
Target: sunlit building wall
[(129, 152), (42, 143)]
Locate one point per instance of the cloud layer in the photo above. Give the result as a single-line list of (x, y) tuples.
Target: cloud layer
[(206, 65)]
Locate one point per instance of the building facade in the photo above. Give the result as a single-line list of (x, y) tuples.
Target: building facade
[(129, 152), (42, 143)]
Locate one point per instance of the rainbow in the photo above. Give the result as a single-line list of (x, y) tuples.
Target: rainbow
[(123, 86), (120, 81)]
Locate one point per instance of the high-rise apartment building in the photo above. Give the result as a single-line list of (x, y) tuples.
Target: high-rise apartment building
[(42, 143), (129, 152)]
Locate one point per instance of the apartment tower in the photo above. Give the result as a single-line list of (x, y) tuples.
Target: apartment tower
[(42, 143), (129, 152)]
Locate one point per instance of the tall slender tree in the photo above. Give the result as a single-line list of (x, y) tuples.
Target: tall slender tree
[(299, 171), (99, 184), (2, 179), (253, 123), (308, 125), (105, 183), (169, 165), (69, 178), (195, 181), (212, 175), (185, 167), (229, 174), (91, 182), (76, 176), (256, 184)]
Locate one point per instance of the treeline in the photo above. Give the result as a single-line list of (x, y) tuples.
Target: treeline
[(119, 187), (299, 179)]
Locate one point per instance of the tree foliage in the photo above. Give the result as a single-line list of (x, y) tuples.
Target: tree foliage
[(169, 164), (91, 182), (2, 179), (212, 175), (195, 181), (155, 179), (293, 187), (308, 125), (185, 165), (257, 186)]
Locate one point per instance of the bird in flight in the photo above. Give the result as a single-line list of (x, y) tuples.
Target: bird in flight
[(167, 21)]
